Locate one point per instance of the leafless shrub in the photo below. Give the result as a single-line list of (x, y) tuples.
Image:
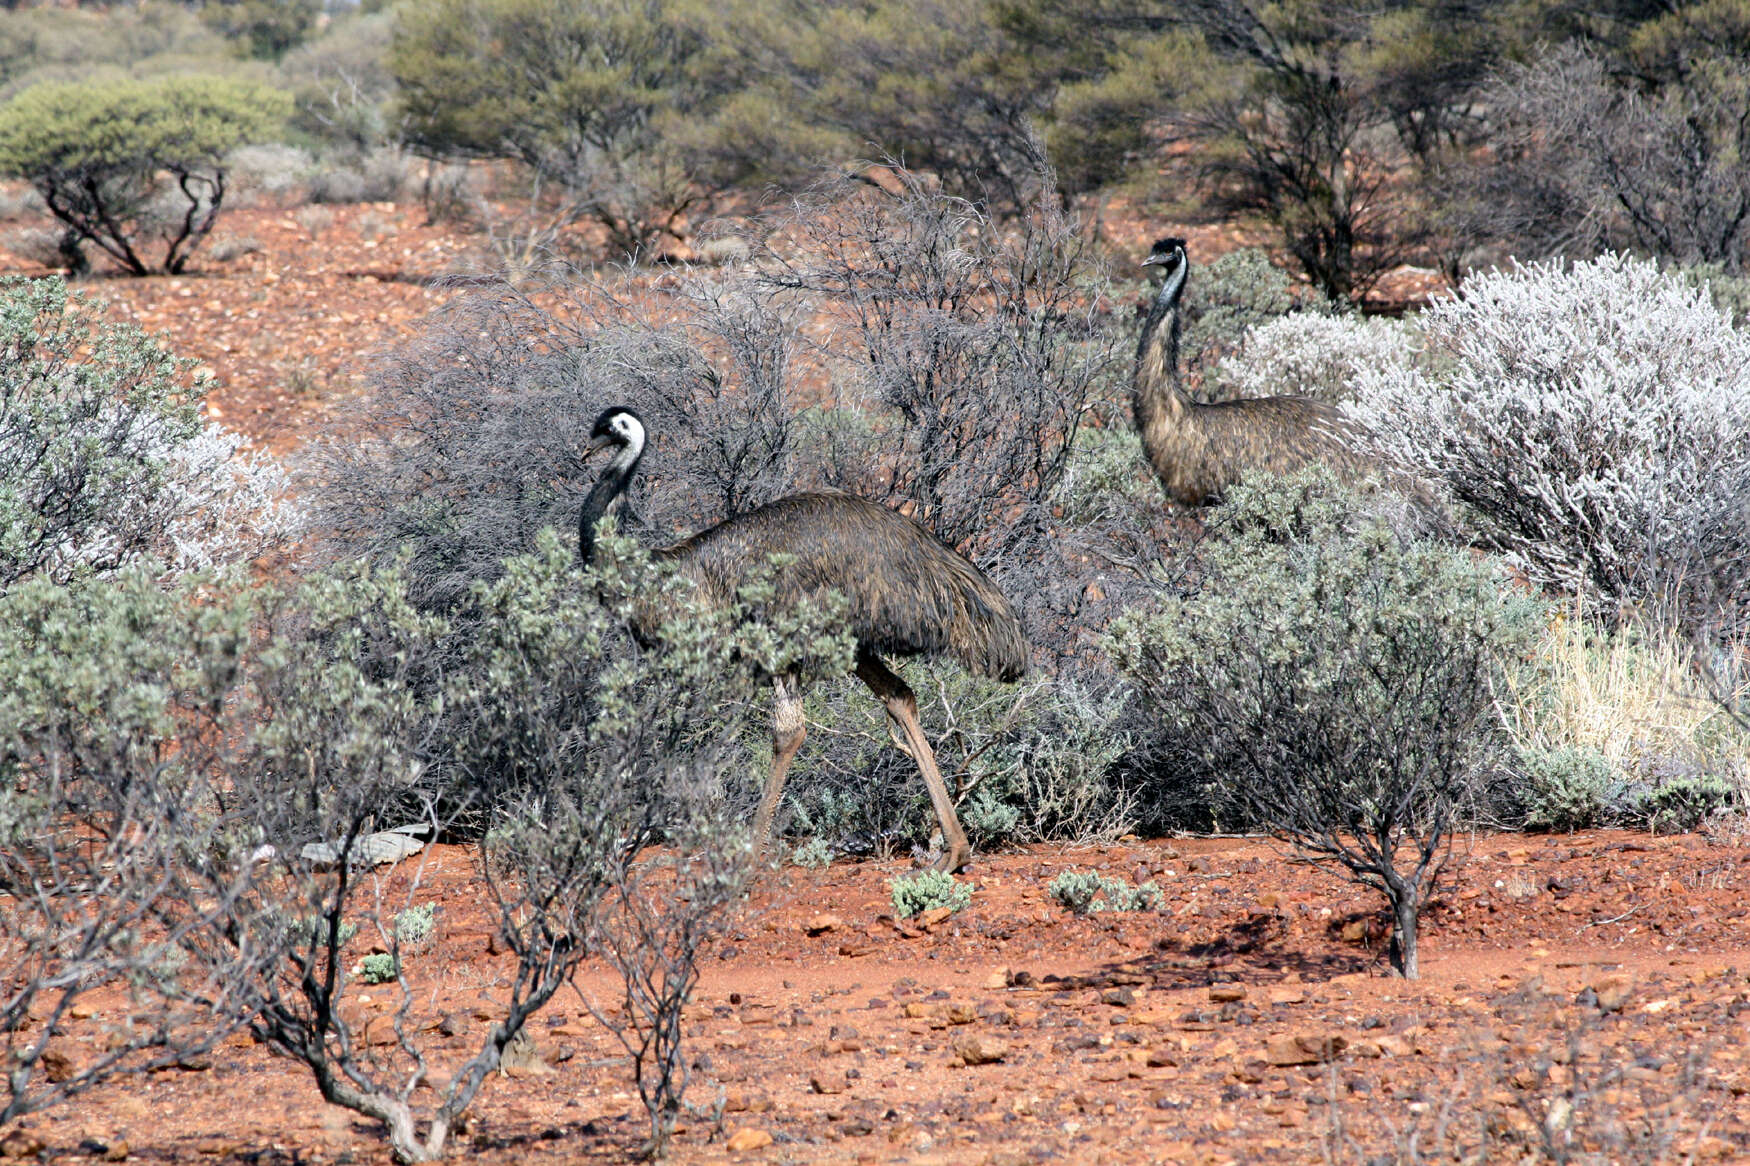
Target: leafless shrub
[(1581, 161), (225, 248)]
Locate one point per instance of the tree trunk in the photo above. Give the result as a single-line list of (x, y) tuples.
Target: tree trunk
[(1403, 933)]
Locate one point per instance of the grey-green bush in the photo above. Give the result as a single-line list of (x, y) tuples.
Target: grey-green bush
[(1334, 681), (928, 890)]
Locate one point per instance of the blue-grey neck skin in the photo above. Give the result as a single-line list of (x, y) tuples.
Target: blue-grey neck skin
[(608, 488), (1167, 301)]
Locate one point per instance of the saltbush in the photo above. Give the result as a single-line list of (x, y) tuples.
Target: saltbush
[(1309, 354), (1338, 681), (928, 890), (1085, 892), (103, 457), (1593, 419), (1571, 789)]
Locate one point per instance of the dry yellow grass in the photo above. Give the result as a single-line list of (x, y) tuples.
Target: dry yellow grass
[(1632, 697)]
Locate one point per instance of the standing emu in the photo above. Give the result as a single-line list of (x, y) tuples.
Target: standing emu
[(908, 595), (1199, 450)]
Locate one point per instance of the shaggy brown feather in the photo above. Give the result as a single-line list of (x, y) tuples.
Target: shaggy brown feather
[(1199, 450)]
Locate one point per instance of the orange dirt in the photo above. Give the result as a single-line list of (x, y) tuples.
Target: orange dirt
[(842, 1033)]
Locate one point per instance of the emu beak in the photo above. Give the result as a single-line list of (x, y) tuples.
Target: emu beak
[(598, 443), (1153, 259)]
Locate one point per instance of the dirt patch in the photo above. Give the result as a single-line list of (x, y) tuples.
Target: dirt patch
[(1599, 978)]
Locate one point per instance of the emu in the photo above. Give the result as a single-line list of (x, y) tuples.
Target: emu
[(908, 594), (1199, 450)]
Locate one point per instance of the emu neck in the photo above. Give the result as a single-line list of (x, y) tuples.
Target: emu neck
[(609, 489), (1156, 395)]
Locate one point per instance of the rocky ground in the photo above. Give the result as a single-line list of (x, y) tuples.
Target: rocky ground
[(1585, 995)]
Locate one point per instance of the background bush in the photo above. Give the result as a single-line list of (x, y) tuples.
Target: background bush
[(127, 163)]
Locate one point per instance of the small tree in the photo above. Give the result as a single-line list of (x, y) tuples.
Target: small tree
[(1338, 681), (130, 161)]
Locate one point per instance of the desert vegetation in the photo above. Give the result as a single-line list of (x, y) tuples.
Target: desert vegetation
[(262, 713)]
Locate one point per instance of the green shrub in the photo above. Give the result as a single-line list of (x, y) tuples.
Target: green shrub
[(413, 926), (103, 457), (378, 968), (1571, 789), (927, 890), (128, 162), (1337, 680), (1088, 891), (1682, 804), (813, 854)]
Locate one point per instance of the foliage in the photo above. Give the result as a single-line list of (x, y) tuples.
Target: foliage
[(378, 968), (61, 43), (103, 459), (99, 809), (1232, 295), (600, 100), (262, 28), (928, 890), (1337, 680), (1684, 803), (1593, 420), (1590, 151), (1607, 720), (413, 926), (1308, 354), (341, 84), (125, 162), (1087, 891), (1571, 789)]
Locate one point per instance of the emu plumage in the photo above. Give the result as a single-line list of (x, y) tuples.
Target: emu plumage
[(1199, 450), (907, 594)]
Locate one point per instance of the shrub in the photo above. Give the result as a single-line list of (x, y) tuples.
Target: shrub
[(928, 890), (1339, 680), (1086, 891), (130, 161), (1630, 698), (1571, 789), (103, 459), (1309, 354), (1684, 803), (1592, 418), (413, 927), (378, 968)]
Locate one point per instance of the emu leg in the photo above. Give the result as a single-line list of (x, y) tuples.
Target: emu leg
[(902, 706), (789, 730)]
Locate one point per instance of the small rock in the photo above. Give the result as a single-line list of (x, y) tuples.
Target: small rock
[(821, 924), (743, 1140), (56, 1065), (1227, 993), (20, 1144), (1354, 931), (1395, 1046), (934, 916), (1303, 1049), (977, 1050), (825, 1083), (1118, 997), (1613, 991), (1287, 996), (117, 1151), (998, 980)]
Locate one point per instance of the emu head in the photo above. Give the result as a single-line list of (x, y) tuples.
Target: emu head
[(1169, 255), (618, 426)]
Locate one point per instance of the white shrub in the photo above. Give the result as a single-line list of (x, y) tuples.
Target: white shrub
[(1308, 354), (1593, 417)]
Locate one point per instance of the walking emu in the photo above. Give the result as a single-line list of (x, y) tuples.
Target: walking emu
[(908, 595), (1199, 450)]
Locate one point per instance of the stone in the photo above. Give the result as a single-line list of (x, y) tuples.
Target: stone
[(20, 1144), (1303, 1049), (746, 1139), (934, 916), (977, 1050), (821, 924), (1286, 995), (1227, 993), (1613, 991), (826, 1083)]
